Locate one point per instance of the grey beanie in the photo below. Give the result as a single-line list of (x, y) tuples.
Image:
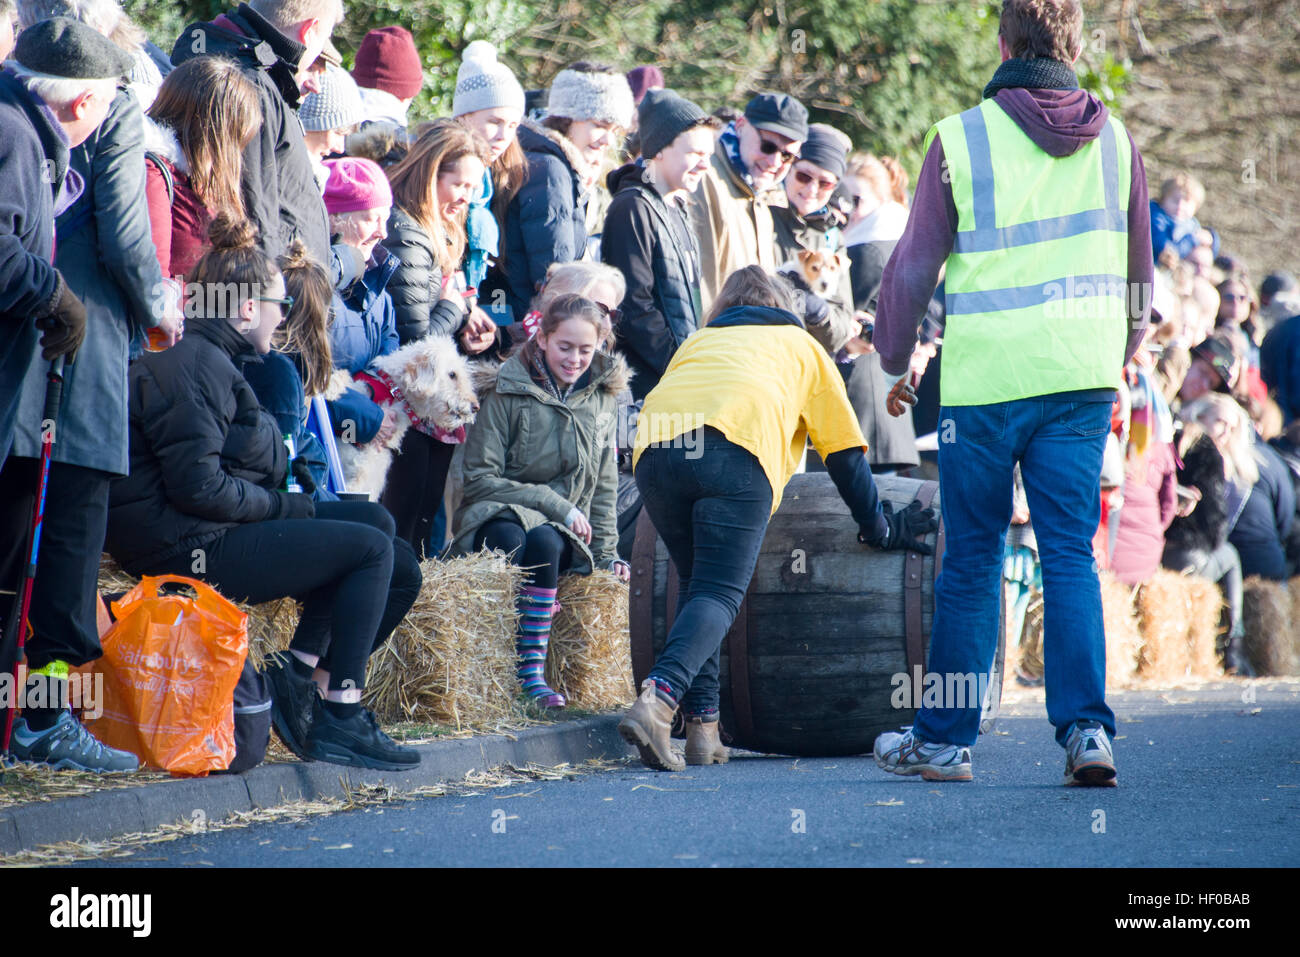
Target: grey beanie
[(600, 97), (68, 49), (824, 149), (336, 106), (662, 116), (484, 83)]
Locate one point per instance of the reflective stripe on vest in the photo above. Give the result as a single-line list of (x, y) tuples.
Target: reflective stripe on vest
[(1036, 285)]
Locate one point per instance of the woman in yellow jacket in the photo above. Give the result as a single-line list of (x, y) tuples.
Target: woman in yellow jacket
[(717, 440)]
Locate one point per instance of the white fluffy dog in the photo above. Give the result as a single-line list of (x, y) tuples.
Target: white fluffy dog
[(436, 384)]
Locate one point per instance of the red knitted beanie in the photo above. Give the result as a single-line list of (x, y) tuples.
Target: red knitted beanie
[(387, 60)]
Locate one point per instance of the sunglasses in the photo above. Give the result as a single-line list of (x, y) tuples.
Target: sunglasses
[(768, 147), (285, 304), (613, 315), (823, 185)]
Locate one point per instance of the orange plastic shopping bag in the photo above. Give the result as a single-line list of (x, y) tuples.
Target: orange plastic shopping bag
[(170, 667)]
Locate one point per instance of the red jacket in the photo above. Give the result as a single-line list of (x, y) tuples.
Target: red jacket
[(1150, 502), (179, 225)]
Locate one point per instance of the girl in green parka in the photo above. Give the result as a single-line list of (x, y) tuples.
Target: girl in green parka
[(541, 471)]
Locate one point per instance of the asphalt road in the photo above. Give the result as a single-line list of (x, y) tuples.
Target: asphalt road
[(1205, 779)]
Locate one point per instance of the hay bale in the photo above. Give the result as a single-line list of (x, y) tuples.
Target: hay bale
[(1293, 586), (1266, 612), (1165, 617), (1123, 637), (1206, 603), (452, 659), (270, 624), (590, 657)]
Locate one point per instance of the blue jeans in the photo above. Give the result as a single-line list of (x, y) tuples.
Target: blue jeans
[(1059, 445), (710, 504)]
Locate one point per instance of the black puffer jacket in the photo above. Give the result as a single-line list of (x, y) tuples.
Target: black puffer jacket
[(416, 286), (654, 247), (1207, 527), (546, 222), (204, 455)]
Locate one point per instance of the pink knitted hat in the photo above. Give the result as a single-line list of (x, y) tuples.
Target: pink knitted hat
[(356, 183)]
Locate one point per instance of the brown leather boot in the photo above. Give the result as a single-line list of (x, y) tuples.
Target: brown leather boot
[(648, 725), (703, 746)]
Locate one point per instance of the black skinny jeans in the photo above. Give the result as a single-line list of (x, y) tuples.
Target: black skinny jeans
[(544, 551), (710, 503), (416, 480), (338, 564)]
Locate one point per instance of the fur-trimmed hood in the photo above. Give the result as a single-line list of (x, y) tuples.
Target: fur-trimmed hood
[(557, 143), (161, 139), (609, 372)]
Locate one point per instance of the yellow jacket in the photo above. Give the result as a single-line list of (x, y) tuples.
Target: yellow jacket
[(756, 376)]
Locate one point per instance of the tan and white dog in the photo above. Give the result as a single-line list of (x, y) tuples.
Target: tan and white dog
[(820, 268), (434, 384)]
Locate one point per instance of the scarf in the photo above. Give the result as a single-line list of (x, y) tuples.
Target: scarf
[(542, 376), (1037, 74), (730, 141), (482, 234)]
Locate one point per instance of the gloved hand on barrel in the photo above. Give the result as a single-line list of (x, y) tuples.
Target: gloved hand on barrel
[(906, 529)]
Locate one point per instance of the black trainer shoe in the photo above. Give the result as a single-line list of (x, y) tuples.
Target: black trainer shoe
[(356, 741), (292, 697)]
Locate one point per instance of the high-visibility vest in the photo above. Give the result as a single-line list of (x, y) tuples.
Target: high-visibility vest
[(1037, 281)]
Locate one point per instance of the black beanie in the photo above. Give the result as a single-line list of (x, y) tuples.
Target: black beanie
[(66, 48), (662, 116), (824, 150)]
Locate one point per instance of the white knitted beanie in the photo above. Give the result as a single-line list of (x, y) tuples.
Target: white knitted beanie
[(336, 107), (483, 83), (602, 97)]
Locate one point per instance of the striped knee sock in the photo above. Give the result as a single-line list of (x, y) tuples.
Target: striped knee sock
[(536, 606)]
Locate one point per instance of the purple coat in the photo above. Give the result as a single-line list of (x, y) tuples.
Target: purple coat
[(1150, 502)]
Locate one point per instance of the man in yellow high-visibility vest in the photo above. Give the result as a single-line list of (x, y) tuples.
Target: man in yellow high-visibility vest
[(1036, 201)]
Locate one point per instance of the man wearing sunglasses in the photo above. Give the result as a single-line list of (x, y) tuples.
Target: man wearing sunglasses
[(731, 217)]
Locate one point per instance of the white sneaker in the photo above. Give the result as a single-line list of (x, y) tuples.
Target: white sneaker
[(901, 752), (1089, 760)]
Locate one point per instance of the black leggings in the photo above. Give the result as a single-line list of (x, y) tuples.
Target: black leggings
[(338, 564), (416, 480), (543, 550)]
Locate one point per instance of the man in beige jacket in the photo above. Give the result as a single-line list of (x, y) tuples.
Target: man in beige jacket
[(730, 213)]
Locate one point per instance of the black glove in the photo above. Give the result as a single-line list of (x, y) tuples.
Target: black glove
[(815, 310), (906, 529), (64, 325), (303, 474), (294, 505)]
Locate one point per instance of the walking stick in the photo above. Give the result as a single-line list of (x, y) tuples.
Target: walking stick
[(15, 635)]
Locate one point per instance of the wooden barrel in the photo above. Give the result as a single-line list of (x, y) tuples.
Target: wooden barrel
[(808, 667)]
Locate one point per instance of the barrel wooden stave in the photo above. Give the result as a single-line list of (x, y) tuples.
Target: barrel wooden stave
[(826, 621)]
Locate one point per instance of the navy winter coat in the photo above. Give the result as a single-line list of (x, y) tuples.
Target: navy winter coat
[(29, 283)]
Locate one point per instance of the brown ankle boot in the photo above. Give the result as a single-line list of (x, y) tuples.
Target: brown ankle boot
[(648, 725), (703, 746)]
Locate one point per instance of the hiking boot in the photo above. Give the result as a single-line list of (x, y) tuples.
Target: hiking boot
[(356, 741), (68, 746), (292, 698), (703, 746), (1089, 761), (647, 725), (901, 752)]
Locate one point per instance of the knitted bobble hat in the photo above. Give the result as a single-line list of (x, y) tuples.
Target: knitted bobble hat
[(484, 83), (336, 106), (598, 97)]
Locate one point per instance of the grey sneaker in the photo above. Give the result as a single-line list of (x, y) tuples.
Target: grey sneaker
[(1089, 761), (901, 752), (68, 746)]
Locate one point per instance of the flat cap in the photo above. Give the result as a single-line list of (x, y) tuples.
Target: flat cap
[(66, 48)]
